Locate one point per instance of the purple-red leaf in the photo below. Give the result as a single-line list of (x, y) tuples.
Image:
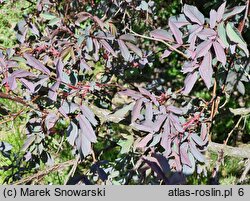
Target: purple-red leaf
[(84, 66), (179, 21), (188, 170), (124, 50), (194, 30), (196, 153), (159, 121), (163, 162), (143, 143), (59, 69), (189, 66), (203, 131), (128, 37), (142, 127), (54, 90), (162, 35), (134, 48), (213, 18), (36, 64), (207, 33), (29, 85), (11, 80), (147, 93), (99, 22), (206, 70), (174, 109), (166, 139), (176, 123), (134, 94), (155, 167), (82, 143), (177, 33), (149, 112), (136, 110), (108, 47), (189, 82), (220, 53), (194, 14), (203, 48), (50, 120), (88, 114), (166, 53), (197, 139), (72, 133), (221, 11), (86, 128), (184, 154), (233, 11)]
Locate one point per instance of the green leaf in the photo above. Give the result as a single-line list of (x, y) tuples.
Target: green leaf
[(54, 21), (120, 114), (222, 34), (235, 36), (126, 144), (241, 88), (47, 16)]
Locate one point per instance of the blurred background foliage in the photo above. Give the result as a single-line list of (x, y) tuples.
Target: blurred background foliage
[(162, 74)]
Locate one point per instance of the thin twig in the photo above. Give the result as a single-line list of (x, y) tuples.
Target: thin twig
[(14, 116), (73, 169), (244, 174), (43, 173), (16, 99), (230, 133)]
